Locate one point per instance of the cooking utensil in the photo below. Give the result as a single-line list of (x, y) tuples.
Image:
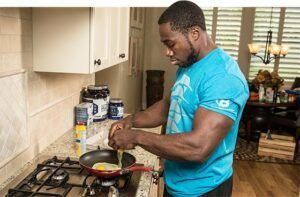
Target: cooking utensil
[(120, 156), (88, 159), (120, 153)]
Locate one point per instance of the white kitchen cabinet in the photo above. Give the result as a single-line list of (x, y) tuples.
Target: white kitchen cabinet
[(79, 40), (120, 35), (137, 17), (100, 39)]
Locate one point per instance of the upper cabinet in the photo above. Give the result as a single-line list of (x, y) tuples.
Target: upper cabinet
[(120, 35), (79, 40), (137, 18)]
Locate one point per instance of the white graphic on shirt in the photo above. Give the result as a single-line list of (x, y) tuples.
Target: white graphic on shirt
[(175, 113), (223, 103)]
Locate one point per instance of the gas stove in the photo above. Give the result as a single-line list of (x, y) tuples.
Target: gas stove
[(62, 177)]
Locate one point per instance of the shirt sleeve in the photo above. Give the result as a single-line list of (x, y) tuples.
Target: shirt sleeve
[(225, 94)]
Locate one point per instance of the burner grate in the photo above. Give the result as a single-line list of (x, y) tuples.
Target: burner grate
[(31, 179), (65, 177)]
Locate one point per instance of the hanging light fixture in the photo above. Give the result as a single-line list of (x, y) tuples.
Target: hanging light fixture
[(272, 51)]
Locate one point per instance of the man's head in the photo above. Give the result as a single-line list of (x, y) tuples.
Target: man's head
[(180, 27)]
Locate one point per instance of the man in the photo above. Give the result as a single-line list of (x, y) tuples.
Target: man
[(202, 112)]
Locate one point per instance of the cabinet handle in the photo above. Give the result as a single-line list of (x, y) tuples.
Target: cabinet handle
[(98, 61), (122, 55)]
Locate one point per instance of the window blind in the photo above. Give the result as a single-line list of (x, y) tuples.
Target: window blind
[(289, 67), (208, 14), (228, 30), (261, 27)]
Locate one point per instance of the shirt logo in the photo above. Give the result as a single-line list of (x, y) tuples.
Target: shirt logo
[(223, 103)]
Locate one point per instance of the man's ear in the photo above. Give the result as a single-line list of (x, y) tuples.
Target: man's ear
[(195, 32)]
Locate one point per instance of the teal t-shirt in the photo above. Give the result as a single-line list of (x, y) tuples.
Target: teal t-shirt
[(215, 83)]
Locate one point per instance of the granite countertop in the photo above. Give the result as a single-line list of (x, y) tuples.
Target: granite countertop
[(64, 146)]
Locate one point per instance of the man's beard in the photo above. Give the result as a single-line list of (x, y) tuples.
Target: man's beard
[(192, 58)]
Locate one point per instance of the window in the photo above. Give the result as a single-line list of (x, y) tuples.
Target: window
[(224, 25), (261, 27), (228, 30), (228, 21), (289, 67), (208, 14)]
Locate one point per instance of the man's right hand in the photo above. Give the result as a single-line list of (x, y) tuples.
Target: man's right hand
[(121, 124)]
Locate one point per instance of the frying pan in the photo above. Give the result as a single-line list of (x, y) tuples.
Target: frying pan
[(88, 159)]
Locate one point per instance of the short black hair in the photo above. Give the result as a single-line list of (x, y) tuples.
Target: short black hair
[(183, 15)]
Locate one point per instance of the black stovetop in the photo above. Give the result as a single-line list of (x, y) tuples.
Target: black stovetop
[(65, 177)]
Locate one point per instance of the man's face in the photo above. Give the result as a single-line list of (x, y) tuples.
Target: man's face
[(179, 47)]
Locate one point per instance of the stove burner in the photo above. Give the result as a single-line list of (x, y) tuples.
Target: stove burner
[(60, 176), (65, 177), (107, 182)]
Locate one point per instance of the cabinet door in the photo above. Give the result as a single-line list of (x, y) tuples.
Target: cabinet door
[(115, 32), (100, 39), (61, 39), (119, 35), (124, 34), (137, 17)]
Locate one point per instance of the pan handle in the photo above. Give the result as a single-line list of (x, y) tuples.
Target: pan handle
[(140, 168), (136, 168)]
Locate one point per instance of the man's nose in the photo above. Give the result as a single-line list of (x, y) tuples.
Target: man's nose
[(169, 52)]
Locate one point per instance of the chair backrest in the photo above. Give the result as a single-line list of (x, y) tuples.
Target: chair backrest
[(296, 83)]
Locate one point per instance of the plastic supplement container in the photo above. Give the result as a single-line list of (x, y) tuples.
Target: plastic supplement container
[(96, 95), (116, 109)]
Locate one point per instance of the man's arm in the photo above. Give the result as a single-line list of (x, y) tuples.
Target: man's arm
[(209, 128), (153, 116)]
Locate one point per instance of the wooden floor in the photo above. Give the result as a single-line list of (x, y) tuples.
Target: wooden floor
[(265, 179)]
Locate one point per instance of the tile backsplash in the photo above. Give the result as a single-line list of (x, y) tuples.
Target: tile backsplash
[(14, 137), (50, 97)]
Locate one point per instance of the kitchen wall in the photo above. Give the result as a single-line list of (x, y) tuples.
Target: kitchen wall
[(122, 85), (50, 97)]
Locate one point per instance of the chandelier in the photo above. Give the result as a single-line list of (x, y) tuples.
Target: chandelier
[(271, 51)]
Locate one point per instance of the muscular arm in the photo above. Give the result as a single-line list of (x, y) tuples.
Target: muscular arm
[(209, 128), (153, 116)]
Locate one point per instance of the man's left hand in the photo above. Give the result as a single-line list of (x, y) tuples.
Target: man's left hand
[(123, 138)]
